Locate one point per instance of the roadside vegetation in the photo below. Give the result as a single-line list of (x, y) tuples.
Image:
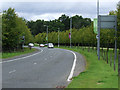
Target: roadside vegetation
[(13, 30), (98, 73), (17, 53)]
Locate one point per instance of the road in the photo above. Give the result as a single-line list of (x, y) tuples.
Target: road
[(48, 68)]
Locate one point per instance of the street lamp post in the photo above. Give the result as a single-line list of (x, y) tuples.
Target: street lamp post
[(70, 31), (98, 40), (58, 36), (47, 33)]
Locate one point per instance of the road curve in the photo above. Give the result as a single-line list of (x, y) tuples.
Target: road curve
[(48, 68)]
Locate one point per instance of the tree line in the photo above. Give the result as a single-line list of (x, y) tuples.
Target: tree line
[(62, 22), (84, 36)]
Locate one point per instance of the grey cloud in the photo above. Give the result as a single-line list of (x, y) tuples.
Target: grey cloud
[(51, 7), (38, 8)]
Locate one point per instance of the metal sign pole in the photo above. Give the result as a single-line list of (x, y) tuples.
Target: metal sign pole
[(98, 40), (115, 37), (70, 30), (58, 37), (47, 34), (115, 41), (98, 37)]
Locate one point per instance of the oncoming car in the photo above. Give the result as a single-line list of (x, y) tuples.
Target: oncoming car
[(31, 45), (50, 45), (42, 45)]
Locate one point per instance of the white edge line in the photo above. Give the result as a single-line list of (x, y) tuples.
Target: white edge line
[(22, 57), (12, 71), (73, 67)]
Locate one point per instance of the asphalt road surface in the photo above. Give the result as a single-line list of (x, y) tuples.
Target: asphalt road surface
[(47, 68)]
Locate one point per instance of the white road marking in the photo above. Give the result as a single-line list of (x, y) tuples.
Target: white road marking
[(12, 71), (73, 67), (35, 63), (22, 57)]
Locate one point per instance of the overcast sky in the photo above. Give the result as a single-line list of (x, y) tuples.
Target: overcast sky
[(52, 9)]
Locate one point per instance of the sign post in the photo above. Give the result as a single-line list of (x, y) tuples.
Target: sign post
[(107, 22), (70, 31), (98, 45), (58, 36)]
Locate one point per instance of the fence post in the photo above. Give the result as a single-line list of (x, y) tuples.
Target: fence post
[(110, 59), (119, 63), (107, 55), (103, 55), (78, 45)]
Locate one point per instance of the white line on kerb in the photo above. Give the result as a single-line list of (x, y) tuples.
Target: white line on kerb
[(73, 67), (22, 57), (12, 71)]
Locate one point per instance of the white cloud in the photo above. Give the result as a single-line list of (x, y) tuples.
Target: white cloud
[(51, 16), (53, 10), (46, 17), (34, 17), (25, 15)]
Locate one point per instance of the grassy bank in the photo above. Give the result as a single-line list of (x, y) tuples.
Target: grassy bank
[(98, 73), (17, 53)]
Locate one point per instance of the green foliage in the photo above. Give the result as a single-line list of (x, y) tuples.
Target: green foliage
[(13, 28), (84, 36), (118, 21), (113, 13), (62, 22), (117, 12)]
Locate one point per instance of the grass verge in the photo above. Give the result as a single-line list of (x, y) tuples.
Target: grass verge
[(98, 73), (17, 53)]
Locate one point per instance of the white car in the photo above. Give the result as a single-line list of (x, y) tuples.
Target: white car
[(31, 44), (50, 45), (42, 45)]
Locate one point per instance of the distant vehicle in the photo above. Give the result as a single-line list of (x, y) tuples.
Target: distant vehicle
[(31, 45), (42, 45), (50, 45), (46, 44)]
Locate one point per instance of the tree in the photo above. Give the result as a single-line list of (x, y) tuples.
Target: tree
[(8, 32), (113, 13), (118, 21), (79, 22), (13, 29), (62, 22), (65, 20)]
